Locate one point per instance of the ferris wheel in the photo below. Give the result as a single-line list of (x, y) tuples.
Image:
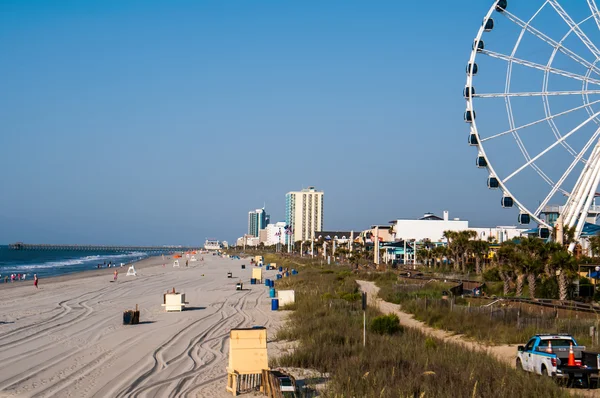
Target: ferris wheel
[(533, 105)]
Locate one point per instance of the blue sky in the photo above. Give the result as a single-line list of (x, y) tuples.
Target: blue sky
[(157, 122)]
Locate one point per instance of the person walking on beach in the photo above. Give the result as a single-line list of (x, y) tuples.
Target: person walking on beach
[(35, 281), (116, 273), (12, 278)]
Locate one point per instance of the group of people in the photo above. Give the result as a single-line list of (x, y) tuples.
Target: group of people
[(15, 277), (110, 264), (21, 277)]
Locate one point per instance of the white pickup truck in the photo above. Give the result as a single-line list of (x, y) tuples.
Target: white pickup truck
[(548, 354)]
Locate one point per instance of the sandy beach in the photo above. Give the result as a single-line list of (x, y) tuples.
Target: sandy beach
[(66, 339)]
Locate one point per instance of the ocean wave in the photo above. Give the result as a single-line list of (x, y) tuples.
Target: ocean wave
[(89, 260)]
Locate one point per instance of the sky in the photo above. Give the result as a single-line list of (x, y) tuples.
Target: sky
[(160, 122)]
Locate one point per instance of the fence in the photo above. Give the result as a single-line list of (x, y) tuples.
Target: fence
[(548, 321)]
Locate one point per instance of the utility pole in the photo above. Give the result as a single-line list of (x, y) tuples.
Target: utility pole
[(376, 245), (364, 307)]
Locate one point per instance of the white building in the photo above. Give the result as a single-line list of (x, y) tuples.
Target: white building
[(275, 233), (499, 234), (427, 227), (247, 240), (304, 213), (432, 227)]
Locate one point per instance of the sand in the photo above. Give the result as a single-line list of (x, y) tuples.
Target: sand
[(67, 339)]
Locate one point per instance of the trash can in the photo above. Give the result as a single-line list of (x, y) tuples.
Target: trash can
[(272, 292), (274, 304), (267, 282), (131, 317), (294, 272), (253, 281), (278, 276), (243, 266), (280, 269)]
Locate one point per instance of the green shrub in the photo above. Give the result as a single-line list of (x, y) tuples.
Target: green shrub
[(491, 274), (326, 296), (351, 296), (343, 274), (430, 343), (385, 324)]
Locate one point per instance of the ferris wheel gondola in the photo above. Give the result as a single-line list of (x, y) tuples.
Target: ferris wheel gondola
[(563, 151)]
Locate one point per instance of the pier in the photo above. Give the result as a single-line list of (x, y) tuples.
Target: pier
[(102, 248)]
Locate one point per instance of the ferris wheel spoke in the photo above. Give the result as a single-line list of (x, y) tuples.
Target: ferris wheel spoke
[(541, 67), (536, 94), (575, 28), (537, 122), (571, 167), (595, 11), (557, 142), (553, 43)]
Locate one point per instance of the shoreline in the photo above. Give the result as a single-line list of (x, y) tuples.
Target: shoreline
[(89, 273)]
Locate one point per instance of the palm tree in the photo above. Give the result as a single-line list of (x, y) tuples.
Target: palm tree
[(534, 255), (594, 245), (439, 252), (451, 237), (480, 250), (424, 255), (458, 243), (507, 259), (565, 266)]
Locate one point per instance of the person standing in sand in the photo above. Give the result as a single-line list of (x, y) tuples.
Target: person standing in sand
[(116, 273), (35, 281)]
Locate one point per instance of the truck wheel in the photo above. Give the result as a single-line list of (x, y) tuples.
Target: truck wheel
[(544, 371), (520, 365)]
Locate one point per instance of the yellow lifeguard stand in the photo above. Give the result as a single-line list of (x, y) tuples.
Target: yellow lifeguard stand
[(247, 359), (257, 274)]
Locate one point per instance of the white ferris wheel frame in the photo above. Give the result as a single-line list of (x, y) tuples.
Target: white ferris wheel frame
[(575, 211)]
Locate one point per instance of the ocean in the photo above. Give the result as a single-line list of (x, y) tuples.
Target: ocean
[(47, 263)]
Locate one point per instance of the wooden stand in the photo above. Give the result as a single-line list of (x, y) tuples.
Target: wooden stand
[(174, 301)]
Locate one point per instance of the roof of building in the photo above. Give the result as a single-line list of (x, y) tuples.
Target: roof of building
[(430, 216), (334, 234)]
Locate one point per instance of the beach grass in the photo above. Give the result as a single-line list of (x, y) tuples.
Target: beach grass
[(499, 327), (327, 324)]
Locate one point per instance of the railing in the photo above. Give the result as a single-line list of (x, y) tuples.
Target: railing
[(100, 248)]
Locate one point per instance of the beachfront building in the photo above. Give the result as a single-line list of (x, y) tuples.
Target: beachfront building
[(257, 219), (212, 244), (410, 233), (339, 237), (303, 214), (384, 232), (429, 227), (247, 240), (275, 233), (499, 234)]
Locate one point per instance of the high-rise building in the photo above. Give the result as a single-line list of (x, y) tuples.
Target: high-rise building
[(304, 213), (257, 220)]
